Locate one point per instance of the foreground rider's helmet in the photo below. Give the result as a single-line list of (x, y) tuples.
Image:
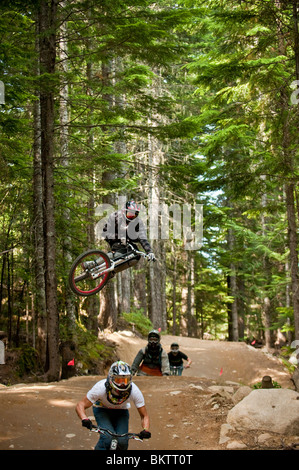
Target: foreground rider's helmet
[(120, 376), (131, 210), (153, 340), (174, 348)]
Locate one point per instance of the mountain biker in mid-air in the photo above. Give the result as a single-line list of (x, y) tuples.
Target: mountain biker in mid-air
[(176, 358), (123, 227), (151, 360), (111, 399)]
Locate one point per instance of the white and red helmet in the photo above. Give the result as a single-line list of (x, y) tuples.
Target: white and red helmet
[(131, 210), (120, 376)]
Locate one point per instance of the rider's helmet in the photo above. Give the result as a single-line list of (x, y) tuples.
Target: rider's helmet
[(174, 348), (153, 340), (120, 376), (131, 210)]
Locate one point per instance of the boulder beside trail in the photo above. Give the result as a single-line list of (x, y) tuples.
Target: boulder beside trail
[(295, 378), (275, 410)]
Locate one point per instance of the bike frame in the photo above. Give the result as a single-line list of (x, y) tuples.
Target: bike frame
[(121, 259), (124, 258), (174, 370)]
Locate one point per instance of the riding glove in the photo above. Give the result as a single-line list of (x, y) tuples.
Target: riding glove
[(86, 423), (145, 434), (151, 256)]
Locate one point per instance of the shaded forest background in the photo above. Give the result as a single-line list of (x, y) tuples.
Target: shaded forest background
[(165, 102)]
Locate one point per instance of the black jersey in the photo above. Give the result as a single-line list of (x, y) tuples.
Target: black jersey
[(176, 359)]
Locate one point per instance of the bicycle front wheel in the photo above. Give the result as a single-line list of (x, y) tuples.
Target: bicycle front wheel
[(88, 273)]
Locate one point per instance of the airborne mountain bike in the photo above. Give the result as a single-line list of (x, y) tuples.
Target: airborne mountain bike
[(114, 440), (91, 270)]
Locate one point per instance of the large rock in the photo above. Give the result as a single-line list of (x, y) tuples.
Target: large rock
[(295, 378), (275, 410), (241, 393)]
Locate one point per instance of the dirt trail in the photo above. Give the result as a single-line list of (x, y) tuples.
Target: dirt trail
[(42, 416)]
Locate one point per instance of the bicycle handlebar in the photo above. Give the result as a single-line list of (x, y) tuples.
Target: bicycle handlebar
[(129, 435), (145, 255), (177, 367)]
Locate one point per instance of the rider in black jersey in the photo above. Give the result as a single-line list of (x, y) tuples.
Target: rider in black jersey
[(176, 358), (124, 226)]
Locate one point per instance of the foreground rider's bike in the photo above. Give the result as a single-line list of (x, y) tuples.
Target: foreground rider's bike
[(91, 271), (114, 440)]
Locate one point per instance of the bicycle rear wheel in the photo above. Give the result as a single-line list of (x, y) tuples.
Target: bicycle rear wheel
[(88, 273)]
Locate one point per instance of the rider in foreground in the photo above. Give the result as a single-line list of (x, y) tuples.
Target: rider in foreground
[(151, 360), (111, 400), (123, 227)]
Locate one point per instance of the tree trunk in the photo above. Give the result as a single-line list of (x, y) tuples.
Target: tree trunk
[(157, 305), (174, 284), (93, 301), (40, 307), (292, 235), (108, 311), (241, 307), (107, 317), (47, 24), (184, 297), (108, 306), (296, 36), (64, 146), (289, 166), (38, 235), (295, 253), (157, 300), (233, 290), (139, 287), (124, 300), (266, 306), (191, 320)]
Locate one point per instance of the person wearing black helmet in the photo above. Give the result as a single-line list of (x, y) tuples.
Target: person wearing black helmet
[(176, 358), (111, 398), (151, 360), (124, 226)]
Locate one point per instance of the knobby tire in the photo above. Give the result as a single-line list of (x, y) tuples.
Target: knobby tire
[(77, 274)]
